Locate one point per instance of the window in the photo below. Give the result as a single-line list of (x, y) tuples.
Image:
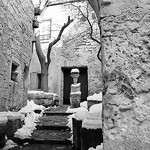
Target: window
[(39, 80), (14, 72)]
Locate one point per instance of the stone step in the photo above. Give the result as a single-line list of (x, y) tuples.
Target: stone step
[(60, 113), (52, 127), (53, 121), (52, 136), (35, 146), (46, 137)]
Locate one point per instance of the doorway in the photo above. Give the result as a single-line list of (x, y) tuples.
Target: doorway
[(83, 79)]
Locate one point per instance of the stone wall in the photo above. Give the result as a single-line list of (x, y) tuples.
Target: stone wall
[(126, 102), (16, 35)]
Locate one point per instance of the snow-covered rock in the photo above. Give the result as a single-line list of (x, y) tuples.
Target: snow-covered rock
[(95, 96), (93, 119), (9, 144), (30, 120)]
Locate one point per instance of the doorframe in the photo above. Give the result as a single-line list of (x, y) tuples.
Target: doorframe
[(62, 80)]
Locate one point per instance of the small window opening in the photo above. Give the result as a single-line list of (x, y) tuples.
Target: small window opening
[(39, 80), (14, 72)]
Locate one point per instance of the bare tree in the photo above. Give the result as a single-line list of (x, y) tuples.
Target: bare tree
[(46, 60)]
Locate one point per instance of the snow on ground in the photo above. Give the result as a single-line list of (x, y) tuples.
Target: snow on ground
[(98, 147), (30, 119), (9, 144), (95, 96), (84, 104), (31, 106), (93, 119)]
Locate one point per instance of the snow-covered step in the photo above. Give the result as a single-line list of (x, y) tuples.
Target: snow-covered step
[(36, 146), (51, 136), (53, 122), (14, 120)]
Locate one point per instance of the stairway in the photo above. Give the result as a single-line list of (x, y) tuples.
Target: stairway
[(51, 133)]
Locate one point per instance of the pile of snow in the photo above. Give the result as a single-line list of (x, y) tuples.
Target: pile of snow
[(9, 144), (98, 147), (30, 119), (95, 96), (75, 70), (31, 106), (93, 118), (84, 104), (76, 93)]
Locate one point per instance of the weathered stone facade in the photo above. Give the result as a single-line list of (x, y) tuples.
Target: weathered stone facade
[(16, 36), (126, 73), (76, 51)]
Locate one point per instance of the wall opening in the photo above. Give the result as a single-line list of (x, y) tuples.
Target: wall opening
[(14, 71), (38, 80), (83, 79)]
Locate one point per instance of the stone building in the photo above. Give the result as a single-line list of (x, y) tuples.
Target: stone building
[(74, 50), (16, 36), (126, 68)]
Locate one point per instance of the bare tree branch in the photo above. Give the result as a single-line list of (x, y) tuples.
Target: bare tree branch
[(91, 25), (58, 38)]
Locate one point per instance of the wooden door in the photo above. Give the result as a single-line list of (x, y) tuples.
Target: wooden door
[(83, 79)]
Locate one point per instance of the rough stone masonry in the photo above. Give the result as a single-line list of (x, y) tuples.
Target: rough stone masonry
[(126, 103), (16, 36)]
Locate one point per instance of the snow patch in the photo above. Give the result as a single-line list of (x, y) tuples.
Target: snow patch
[(76, 85), (84, 104), (98, 147), (75, 70), (9, 144), (93, 119), (78, 92), (3, 120), (30, 120), (95, 96)]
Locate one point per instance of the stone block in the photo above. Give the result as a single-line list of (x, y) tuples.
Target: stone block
[(35, 94), (12, 126), (77, 124), (75, 99), (91, 138), (3, 128), (2, 140), (75, 87), (15, 121)]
